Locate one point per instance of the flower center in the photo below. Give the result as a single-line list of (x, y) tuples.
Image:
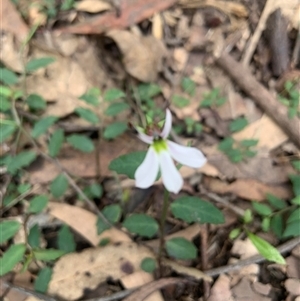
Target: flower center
[(159, 145)]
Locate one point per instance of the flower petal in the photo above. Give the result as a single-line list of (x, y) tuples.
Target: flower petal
[(167, 126), (170, 175), (146, 173), (189, 156), (145, 138)]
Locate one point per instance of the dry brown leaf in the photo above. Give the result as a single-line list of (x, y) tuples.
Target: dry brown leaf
[(248, 189), (221, 290), (292, 285), (243, 248), (138, 279), (35, 14), (157, 27), (93, 6), (142, 56), (75, 272), (84, 222)]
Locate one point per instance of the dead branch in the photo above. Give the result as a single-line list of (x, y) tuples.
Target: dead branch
[(261, 96)]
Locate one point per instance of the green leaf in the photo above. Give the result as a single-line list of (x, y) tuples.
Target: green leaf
[(296, 164), (38, 204), (38, 63), (22, 188), (296, 200), (43, 279), (21, 160), (87, 114), (249, 142), (5, 104), (8, 77), (5, 91), (47, 254), (148, 91), (65, 240), (127, 164), (59, 186), (112, 214), (181, 248), (188, 86), (262, 209), (81, 143), (206, 103), (248, 216), (180, 101), (93, 191), (276, 202), (67, 4), (6, 130), (295, 216), (265, 225), (8, 229), (91, 96), (234, 233), (148, 265), (234, 155), (41, 126), (238, 124), (56, 142), (116, 108), (11, 257), (277, 225), (141, 224), (193, 209), (265, 249), (292, 229), (295, 179), (36, 102), (226, 144), (34, 236), (114, 130), (113, 94)]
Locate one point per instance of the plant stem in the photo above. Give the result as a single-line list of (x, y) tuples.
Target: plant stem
[(162, 228)]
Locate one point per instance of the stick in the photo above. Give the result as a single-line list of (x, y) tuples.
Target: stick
[(261, 96)]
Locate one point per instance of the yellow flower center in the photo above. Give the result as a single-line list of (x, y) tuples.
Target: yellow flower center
[(159, 145)]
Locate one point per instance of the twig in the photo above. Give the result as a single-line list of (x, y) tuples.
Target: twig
[(296, 51), (269, 7), (260, 95), (284, 248), (116, 296)]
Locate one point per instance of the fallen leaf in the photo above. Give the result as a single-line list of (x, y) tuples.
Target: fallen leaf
[(221, 290), (75, 272), (292, 285), (263, 289), (93, 6), (84, 222), (243, 248), (142, 56), (293, 267), (157, 27)]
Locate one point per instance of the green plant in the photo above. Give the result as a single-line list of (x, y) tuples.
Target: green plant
[(292, 100), (213, 99)]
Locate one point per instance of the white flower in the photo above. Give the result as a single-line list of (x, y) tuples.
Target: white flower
[(159, 157)]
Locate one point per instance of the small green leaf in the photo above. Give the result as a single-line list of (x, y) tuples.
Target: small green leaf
[(148, 265), (295, 179), (5, 91), (180, 101), (265, 249), (265, 225), (38, 204), (91, 96), (113, 94), (296, 200), (249, 142), (262, 209), (234, 233), (81, 143), (11, 257), (56, 142), (87, 114), (21, 160), (294, 217), (34, 236), (8, 229), (41, 126), (141, 224), (148, 91), (8, 77), (65, 240), (59, 186), (22, 188), (38, 63), (43, 279), (5, 105), (188, 86), (116, 108), (226, 144), (276, 202), (36, 102), (292, 229), (112, 214), (114, 130), (181, 248), (238, 124), (277, 225), (6, 131), (206, 103), (193, 209), (234, 155), (127, 164), (47, 254), (248, 216), (296, 164), (93, 191), (67, 4)]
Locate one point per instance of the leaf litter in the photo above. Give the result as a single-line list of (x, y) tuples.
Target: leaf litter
[(149, 56)]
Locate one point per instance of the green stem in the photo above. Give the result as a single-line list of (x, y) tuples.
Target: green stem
[(162, 228)]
